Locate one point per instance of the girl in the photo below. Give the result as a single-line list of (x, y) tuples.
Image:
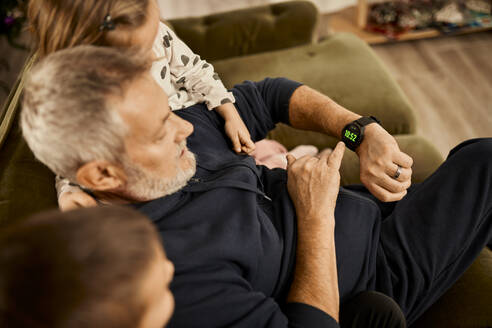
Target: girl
[(183, 75)]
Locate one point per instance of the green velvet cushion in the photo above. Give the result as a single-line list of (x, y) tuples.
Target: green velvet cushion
[(342, 67), (26, 185), (249, 31)]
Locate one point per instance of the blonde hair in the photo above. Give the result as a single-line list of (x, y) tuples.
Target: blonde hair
[(60, 24)]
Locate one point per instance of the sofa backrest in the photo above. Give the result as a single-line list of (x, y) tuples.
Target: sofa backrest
[(249, 31), (26, 185)]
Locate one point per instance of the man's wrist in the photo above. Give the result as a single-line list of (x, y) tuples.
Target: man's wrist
[(347, 119), (316, 216), (315, 225), (371, 131), (354, 133)]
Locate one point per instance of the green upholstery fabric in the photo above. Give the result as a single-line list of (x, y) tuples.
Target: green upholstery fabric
[(26, 185), (342, 66), (247, 31)]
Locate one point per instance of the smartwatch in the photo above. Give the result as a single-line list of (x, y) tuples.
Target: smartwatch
[(353, 133)]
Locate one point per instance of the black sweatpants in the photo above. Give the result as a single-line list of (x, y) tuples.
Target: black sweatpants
[(371, 310), (429, 238)]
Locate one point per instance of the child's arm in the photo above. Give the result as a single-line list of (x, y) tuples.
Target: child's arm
[(72, 197), (198, 78), (235, 129)]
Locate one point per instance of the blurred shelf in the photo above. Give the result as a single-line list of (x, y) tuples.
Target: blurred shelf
[(347, 20)]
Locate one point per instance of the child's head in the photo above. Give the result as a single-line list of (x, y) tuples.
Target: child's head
[(59, 24), (98, 267)]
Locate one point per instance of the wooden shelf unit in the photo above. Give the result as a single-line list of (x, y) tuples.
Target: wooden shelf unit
[(354, 20)]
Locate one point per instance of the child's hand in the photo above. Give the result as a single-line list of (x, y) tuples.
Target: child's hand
[(72, 200), (235, 129), (239, 135)]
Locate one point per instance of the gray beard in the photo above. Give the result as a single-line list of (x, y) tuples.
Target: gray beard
[(143, 186)]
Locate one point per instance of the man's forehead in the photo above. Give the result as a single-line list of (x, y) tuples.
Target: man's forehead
[(143, 106)]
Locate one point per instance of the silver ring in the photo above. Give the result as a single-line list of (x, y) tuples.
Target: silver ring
[(398, 172)]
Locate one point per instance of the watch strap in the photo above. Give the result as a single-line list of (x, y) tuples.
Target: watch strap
[(365, 120)]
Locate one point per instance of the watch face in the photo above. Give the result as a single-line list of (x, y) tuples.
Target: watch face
[(352, 133)]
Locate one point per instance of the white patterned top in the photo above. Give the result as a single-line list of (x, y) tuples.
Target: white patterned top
[(184, 76)]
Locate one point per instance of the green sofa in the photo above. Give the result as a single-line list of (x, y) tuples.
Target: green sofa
[(277, 40)]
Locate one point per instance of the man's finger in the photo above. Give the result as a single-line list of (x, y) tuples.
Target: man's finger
[(290, 160), (323, 152), (384, 195), (336, 156), (405, 174), (402, 159), (324, 155), (392, 185)]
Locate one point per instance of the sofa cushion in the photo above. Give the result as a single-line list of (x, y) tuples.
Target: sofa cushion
[(249, 31), (343, 67)]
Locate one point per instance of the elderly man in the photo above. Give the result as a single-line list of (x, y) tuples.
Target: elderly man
[(246, 254)]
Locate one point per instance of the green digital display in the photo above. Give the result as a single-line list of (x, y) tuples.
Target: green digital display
[(350, 135)]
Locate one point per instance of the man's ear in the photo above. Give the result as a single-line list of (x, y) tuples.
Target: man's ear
[(101, 175)]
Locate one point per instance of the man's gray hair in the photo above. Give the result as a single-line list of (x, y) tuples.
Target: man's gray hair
[(66, 117)]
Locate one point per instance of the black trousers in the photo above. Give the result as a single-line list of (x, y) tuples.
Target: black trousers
[(429, 238), (371, 310)]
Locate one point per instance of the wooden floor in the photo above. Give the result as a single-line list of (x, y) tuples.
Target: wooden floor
[(449, 82)]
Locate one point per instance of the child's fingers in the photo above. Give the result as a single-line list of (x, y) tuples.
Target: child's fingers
[(247, 149), (81, 200), (246, 144), (236, 144), (85, 200), (249, 143)]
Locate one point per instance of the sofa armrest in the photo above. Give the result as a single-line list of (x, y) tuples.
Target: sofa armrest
[(249, 31)]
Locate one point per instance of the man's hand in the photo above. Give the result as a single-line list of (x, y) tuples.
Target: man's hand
[(380, 157), (313, 183), (72, 200)]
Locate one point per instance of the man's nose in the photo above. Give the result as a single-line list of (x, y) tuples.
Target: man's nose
[(185, 128)]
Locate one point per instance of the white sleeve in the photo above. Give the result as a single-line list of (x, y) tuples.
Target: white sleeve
[(190, 72), (63, 186)]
